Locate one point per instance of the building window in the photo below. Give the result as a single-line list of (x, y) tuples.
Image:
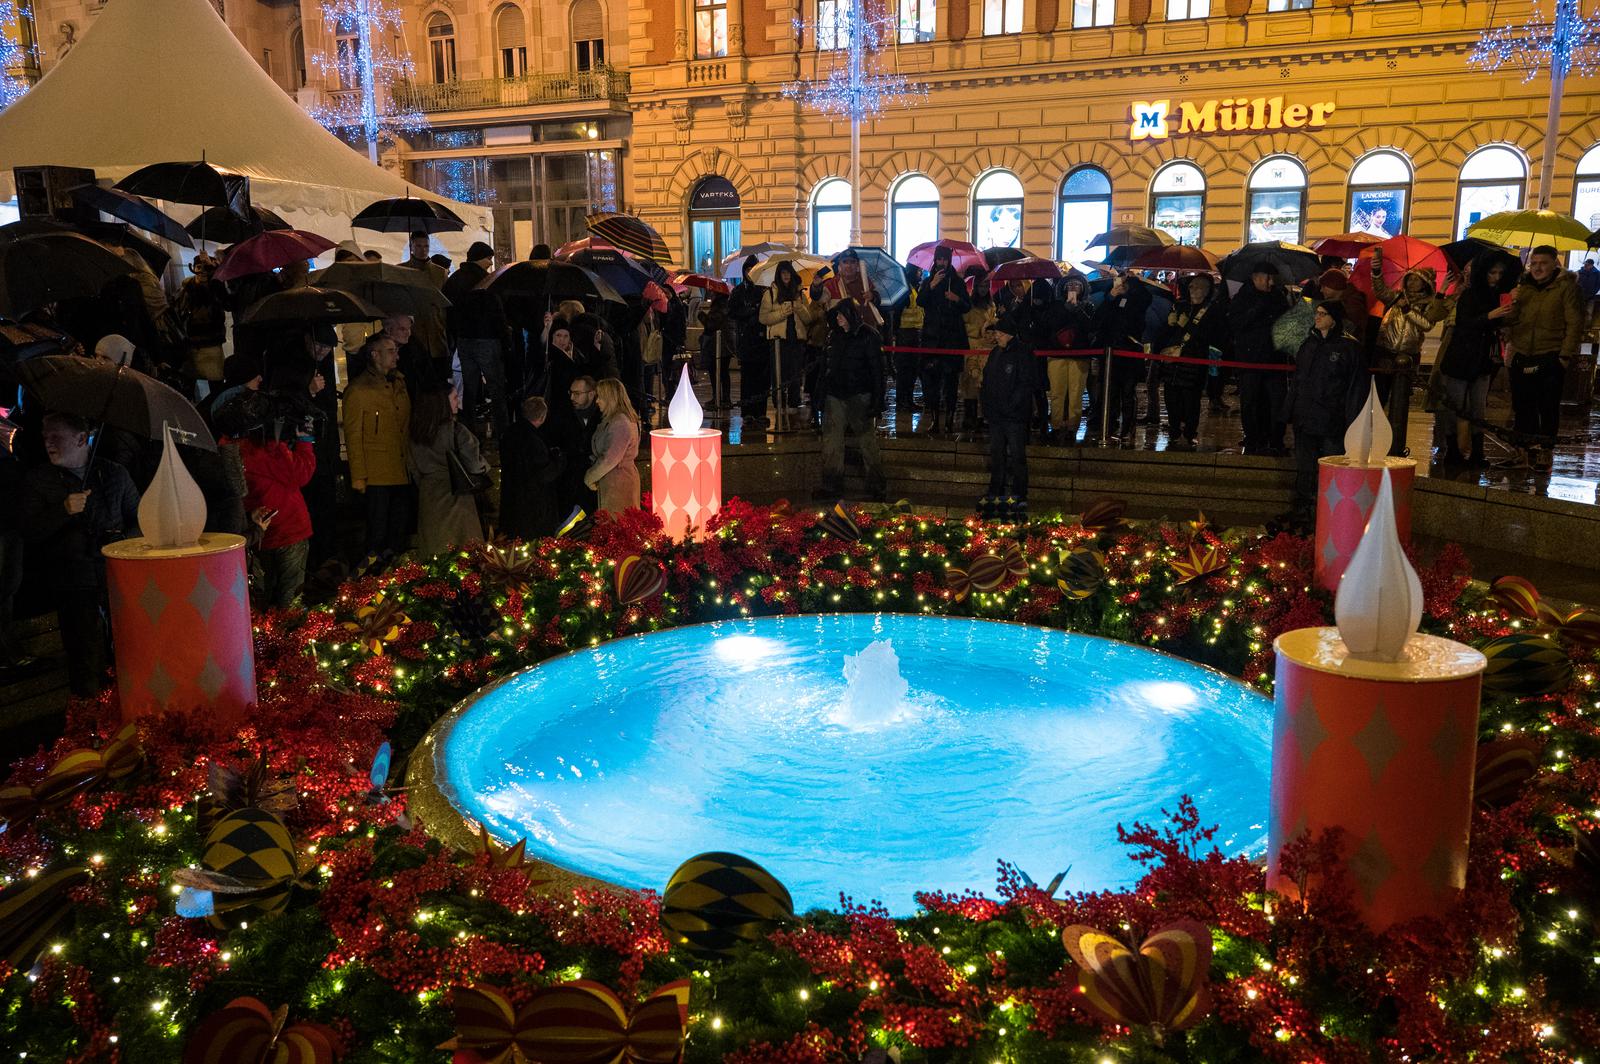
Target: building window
[(1001, 16), (913, 214), (297, 59), (1493, 179), (588, 35), (1278, 200), (830, 217), (917, 21), (1083, 211), (832, 33), (1178, 10), (1088, 13), (347, 53), (997, 210), (1586, 197), (710, 28), (1178, 202), (1380, 193), (1288, 5), (511, 33), (713, 224), (442, 49)]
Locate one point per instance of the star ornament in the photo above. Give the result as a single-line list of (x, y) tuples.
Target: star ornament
[(509, 858), (1199, 561)]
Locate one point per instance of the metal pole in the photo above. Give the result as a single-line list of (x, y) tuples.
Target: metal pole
[(369, 88), (858, 29), (779, 421), (1560, 53), (1105, 400), (716, 372)]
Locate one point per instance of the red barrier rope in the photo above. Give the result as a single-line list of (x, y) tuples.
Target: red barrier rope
[(1080, 352)]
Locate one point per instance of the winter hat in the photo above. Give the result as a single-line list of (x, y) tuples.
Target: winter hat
[(1008, 324), (479, 250), (1334, 309), (1333, 280), (322, 333), (114, 348)]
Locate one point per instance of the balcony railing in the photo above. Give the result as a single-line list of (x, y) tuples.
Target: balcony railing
[(603, 83)]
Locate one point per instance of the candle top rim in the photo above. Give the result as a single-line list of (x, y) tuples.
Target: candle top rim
[(1425, 659), (697, 434), (138, 548), (1344, 461)]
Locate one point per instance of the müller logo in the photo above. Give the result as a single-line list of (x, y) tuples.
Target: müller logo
[(1156, 120)]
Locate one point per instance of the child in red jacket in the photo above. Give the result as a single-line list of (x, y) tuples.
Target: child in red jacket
[(278, 461)]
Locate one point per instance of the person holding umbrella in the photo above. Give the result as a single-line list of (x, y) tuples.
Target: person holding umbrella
[(1251, 315), (202, 310), (945, 302), (1410, 312), (1195, 326), (377, 418), (1322, 397), (477, 321), (755, 360), (853, 389), (785, 312), (430, 330), (1120, 323), (1546, 326), (70, 509), (1469, 355), (1010, 379)]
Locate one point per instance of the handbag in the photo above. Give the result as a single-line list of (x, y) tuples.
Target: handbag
[(653, 346), (462, 480)]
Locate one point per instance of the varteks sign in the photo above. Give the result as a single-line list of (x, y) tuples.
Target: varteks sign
[(1156, 119)]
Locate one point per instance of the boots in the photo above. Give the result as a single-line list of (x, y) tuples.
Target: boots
[(1476, 459)]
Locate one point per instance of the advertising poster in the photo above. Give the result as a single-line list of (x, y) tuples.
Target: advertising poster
[(1379, 211)]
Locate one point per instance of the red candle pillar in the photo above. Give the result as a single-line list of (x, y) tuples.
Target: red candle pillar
[(685, 479), (1346, 492)]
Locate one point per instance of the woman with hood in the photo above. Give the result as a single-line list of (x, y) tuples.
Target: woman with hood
[(785, 312), (944, 302), (1469, 355), (852, 382), (1409, 312), (1070, 323), (1195, 325)]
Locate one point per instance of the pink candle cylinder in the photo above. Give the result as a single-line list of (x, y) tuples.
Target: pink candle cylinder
[(1345, 493), (685, 479), (1384, 751), (180, 626)]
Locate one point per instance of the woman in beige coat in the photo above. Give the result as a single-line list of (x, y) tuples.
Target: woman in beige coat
[(612, 474)]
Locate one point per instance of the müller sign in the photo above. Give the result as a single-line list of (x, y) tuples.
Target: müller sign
[(1156, 119)]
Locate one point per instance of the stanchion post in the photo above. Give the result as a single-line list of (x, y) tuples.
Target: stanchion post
[(1105, 400)]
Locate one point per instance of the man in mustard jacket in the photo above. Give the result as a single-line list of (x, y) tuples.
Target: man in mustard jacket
[(377, 416)]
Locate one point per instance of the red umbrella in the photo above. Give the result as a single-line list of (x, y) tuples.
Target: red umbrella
[(1028, 269), (1400, 254), (1179, 257), (654, 297), (963, 256), (682, 280), (1345, 245), (267, 251)]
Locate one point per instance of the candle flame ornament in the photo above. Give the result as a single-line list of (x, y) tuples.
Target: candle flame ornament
[(172, 512), (685, 466), (1379, 603), (684, 413), (1369, 437), (1348, 486)]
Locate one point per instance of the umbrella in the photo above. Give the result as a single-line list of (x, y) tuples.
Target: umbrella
[(571, 248), (113, 235), (1345, 245), (1119, 236), (804, 265), (733, 265), (628, 233), (309, 306), (655, 297), (135, 210), (530, 289), (49, 267), (407, 215), (1179, 257), (222, 225), (1293, 262), (995, 256), (392, 289), (1461, 252), (887, 275), (103, 391), (627, 275), (1400, 254), (20, 341), (268, 251), (683, 280), (963, 256), (1526, 229), (199, 183), (1029, 269)]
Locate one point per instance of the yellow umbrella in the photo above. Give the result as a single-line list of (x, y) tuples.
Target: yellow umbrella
[(766, 271), (1526, 229)]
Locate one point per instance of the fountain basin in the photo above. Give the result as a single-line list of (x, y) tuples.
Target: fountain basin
[(1029, 744)]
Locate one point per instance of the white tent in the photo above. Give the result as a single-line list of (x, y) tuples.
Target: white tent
[(165, 81)]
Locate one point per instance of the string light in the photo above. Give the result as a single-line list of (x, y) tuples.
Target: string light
[(364, 60), (13, 56), (1568, 43)]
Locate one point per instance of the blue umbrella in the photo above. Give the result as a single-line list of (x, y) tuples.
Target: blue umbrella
[(135, 210), (626, 275), (887, 275)]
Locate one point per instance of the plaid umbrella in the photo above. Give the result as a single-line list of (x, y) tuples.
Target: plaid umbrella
[(135, 210), (407, 215), (270, 250), (1526, 229), (628, 233)]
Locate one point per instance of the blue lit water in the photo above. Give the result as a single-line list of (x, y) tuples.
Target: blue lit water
[(1018, 742)]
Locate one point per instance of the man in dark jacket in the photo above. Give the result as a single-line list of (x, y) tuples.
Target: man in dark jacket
[(1195, 325), (755, 354), (853, 381), (1120, 324), (477, 322), (69, 510), (571, 434), (1328, 375), (944, 303), (1010, 379), (529, 472), (1251, 315)]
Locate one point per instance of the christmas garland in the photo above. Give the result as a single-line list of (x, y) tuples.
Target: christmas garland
[(353, 935)]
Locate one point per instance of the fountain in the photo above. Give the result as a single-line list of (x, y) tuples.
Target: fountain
[(875, 692)]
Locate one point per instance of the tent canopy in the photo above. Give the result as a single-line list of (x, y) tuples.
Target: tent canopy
[(128, 95)]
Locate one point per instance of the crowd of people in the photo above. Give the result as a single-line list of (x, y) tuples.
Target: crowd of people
[(430, 406)]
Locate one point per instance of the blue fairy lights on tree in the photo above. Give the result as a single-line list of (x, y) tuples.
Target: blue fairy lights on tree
[(364, 61), (16, 54)]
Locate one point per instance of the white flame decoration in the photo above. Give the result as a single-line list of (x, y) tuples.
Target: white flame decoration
[(684, 413), (1379, 603), (172, 512), (1367, 440)]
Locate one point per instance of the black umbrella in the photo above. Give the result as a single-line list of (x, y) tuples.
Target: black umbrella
[(408, 215), (393, 289), (529, 289), (995, 256), (1294, 263), (135, 210), (223, 225), (626, 275), (112, 234), (50, 267), (20, 341), (1461, 252), (199, 183), (101, 390), (309, 306)]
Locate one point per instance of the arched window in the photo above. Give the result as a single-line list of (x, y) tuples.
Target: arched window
[(1083, 211), (297, 58), (1493, 179), (1178, 202), (710, 28), (346, 49), (588, 35), (913, 214), (511, 36), (1586, 196), (830, 217), (1380, 193), (713, 223), (997, 210), (1278, 200), (442, 48)]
